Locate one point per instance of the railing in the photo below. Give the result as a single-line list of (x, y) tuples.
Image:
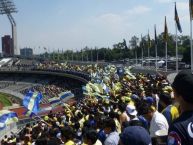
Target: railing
[(79, 74), (7, 131), (16, 128)]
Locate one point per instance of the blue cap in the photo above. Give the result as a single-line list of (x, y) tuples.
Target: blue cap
[(150, 100), (135, 135)]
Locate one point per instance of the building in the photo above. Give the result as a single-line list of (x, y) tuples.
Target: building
[(26, 52), (7, 46)]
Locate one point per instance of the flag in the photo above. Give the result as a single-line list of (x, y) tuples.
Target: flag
[(177, 20), (165, 37), (67, 94), (191, 9), (55, 101), (149, 40), (155, 36), (31, 102), (105, 88), (7, 117)]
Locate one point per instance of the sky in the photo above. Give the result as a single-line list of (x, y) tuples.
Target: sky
[(75, 24)]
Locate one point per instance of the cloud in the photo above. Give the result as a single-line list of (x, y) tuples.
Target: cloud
[(139, 10), (164, 1), (182, 5), (112, 18)]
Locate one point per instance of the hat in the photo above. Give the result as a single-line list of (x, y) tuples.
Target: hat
[(150, 100), (131, 110), (135, 135), (183, 85)]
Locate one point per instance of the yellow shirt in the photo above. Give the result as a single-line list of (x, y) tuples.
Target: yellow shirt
[(70, 142)]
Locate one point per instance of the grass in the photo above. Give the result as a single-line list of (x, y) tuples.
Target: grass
[(4, 99)]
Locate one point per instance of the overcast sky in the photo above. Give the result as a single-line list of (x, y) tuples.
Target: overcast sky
[(74, 24)]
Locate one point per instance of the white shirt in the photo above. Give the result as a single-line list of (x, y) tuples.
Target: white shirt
[(158, 122), (98, 142), (112, 139)]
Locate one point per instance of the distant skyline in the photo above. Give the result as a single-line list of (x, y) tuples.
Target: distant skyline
[(75, 24)]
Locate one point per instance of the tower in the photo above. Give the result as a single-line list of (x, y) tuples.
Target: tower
[(7, 7)]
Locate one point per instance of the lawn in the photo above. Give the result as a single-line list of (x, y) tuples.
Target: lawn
[(5, 100)]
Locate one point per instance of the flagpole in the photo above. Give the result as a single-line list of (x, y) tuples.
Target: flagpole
[(166, 56), (136, 57), (141, 51), (82, 54), (156, 56), (142, 56), (176, 50), (97, 56), (155, 49)]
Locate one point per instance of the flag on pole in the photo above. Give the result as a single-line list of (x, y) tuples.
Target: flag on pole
[(155, 35), (31, 102), (191, 9), (165, 37), (177, 20), (7, 117)]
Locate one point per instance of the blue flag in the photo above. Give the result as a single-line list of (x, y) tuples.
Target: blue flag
[(55, 101), (31, 102), (177, 20), (7, 117), (66, 94)]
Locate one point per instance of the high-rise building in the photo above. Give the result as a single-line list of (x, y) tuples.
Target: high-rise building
[(7, 46), (26, 52)]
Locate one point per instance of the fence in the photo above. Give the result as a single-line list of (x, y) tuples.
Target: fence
[(15, 128)]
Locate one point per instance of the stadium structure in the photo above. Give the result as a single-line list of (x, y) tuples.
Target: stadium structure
[(17, 76)]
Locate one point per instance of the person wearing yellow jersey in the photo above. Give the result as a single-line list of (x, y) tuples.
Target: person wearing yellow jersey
[(171, 113)]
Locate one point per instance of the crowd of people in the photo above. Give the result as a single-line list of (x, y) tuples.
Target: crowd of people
[(64, 66), (119, 108), (79, 70), (54, 87)]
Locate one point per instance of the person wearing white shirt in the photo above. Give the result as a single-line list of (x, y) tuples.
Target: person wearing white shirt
[(110, 131), (157, 120)]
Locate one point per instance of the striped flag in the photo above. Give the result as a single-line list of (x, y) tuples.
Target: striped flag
[(31, 102), (55, 101), (177, 20), (7, 117), (191, 9), (67, 94), (165, 37)]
